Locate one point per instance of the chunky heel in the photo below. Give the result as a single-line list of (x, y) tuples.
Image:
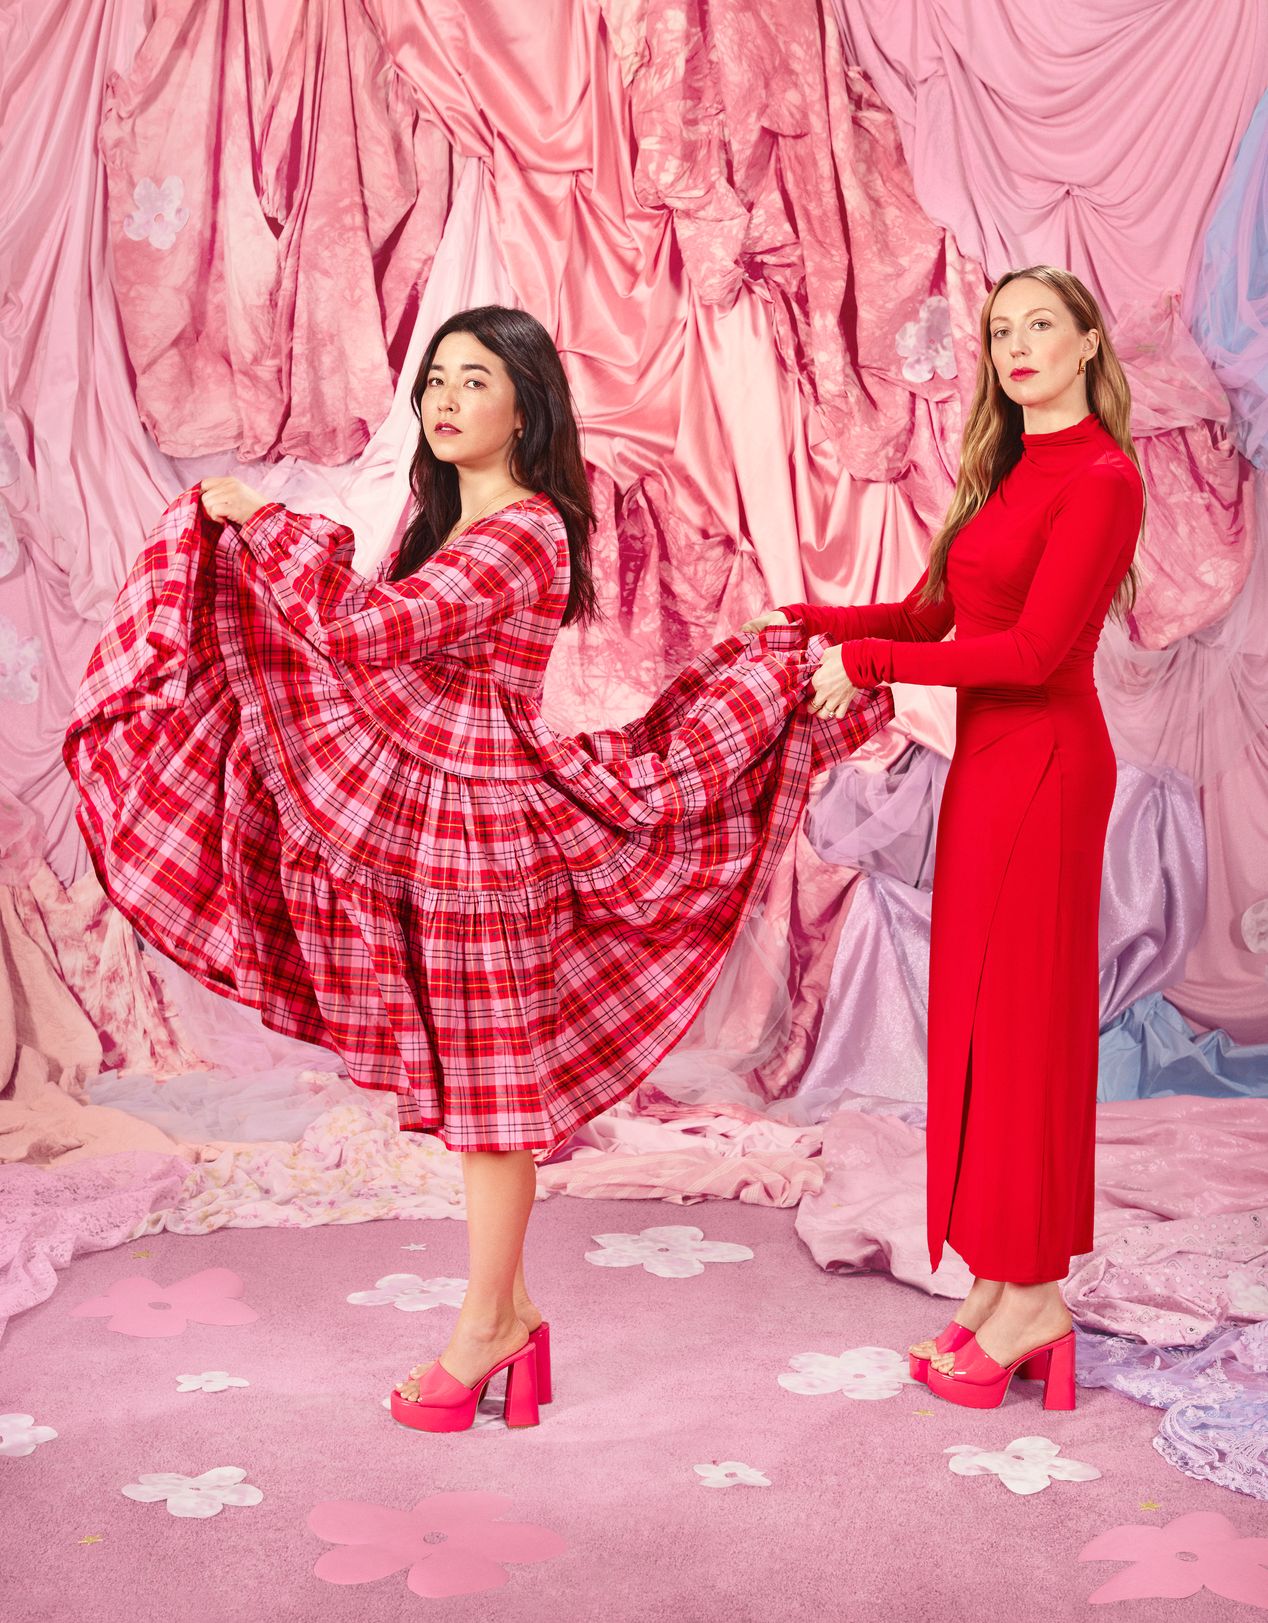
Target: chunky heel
[(540, 1339), (1058, 1380), (520, 1406), (978, 1382)]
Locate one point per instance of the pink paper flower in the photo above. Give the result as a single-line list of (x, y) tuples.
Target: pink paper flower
[(137, 1306), (450, 1542), (1202, 1550)]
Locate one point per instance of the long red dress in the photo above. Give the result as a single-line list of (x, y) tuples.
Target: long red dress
[(335, 798), (1021, 836)]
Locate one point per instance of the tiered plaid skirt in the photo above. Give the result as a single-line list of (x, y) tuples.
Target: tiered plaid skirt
[(508, 957)]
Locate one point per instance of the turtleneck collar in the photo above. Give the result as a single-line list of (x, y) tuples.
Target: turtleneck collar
[(1064, 445)]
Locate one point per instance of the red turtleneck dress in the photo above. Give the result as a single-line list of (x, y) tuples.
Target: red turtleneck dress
[(1013, 960)]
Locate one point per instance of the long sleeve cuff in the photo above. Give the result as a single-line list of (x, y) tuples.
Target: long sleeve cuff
[(868, 661)]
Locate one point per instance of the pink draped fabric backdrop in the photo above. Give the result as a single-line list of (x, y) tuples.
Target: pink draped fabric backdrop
[(761, 239)]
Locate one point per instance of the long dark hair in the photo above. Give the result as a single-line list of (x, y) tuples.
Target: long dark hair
[(547, 454)]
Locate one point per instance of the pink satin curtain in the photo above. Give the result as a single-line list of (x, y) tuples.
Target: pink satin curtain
[(762, 269)]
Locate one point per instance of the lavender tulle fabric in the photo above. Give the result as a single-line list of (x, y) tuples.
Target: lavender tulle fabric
[(1151, 909), (1215, 1397)]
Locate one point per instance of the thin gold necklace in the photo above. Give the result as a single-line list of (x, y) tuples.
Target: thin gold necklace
[(466, 524)]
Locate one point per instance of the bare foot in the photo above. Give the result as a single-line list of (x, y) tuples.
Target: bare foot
[(973, 1312), (472, 1351), (1019, 1324)]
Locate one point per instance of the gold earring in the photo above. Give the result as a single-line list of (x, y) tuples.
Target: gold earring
[(1081, 361)]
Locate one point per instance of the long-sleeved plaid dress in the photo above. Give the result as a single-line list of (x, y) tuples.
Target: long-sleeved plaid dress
[(334, 798)]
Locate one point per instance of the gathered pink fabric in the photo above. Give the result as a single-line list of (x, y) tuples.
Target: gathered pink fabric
[(1096, 138), (783, 173), (241, 338), (702, 393), (1180, 1212)]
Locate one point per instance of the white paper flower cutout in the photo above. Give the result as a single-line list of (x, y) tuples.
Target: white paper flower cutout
[(861, 1372), (411, 1293), (211, 1380), (925, 343), (672, 1252), (1025, 1466), (20, 1435), (159, 212), (199, 1496), (730, 1474), (415, 1246)]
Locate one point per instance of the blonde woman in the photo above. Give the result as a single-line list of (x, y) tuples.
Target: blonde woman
[(1036, 549)]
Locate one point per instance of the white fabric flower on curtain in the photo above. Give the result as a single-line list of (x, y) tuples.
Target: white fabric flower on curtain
[(199, 1496), (159, 213), (10, 462), (925, 343), (20, 661), (861, 1372), (211, 1380), (1248, 1294), (1025, 1466), (730, 1474), (1255, 926), (20, 1435), (10, 547), (674, 1251), (411, 1293)]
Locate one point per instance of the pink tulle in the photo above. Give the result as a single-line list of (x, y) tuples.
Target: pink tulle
[(47, 1218)]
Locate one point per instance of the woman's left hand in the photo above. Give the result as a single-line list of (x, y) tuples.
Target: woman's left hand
[(833, 689), (230, 499)]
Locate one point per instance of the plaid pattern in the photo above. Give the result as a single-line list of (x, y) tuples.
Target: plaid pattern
[(335, 799)]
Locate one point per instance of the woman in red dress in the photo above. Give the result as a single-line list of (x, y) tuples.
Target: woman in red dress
[(335, 798), (1036, 548)]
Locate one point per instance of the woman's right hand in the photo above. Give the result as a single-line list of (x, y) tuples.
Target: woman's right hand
[(772, 617)]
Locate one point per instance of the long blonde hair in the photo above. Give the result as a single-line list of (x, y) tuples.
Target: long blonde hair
[(992, 436)]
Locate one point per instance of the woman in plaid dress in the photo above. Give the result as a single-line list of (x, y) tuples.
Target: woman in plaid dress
[(334, 798)]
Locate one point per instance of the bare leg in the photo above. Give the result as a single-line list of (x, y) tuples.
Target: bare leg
[(524, 1305), (500, 1186), (972, 1313), (1025, 1317)]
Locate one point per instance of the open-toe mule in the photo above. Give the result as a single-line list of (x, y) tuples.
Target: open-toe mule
[(977, 1382), (445, 1404)]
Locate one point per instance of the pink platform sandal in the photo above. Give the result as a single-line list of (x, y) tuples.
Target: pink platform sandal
[(445, 1404), (539, 1340), (951, 1340), (978, 1382)]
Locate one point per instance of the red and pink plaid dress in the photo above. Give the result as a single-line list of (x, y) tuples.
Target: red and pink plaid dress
[(334, 798)]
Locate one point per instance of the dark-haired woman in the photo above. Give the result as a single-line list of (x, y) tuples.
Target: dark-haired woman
[(1036, 549), (335, 798)]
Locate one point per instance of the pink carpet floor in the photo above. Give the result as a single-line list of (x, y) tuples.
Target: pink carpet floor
[(863, 1519)]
